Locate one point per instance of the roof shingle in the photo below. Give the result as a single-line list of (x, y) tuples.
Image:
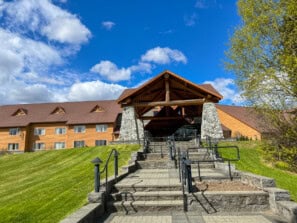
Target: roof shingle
[(75, 113)]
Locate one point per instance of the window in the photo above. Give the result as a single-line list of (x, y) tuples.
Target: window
[(39, 131), (100, 142), (13, 146), (101, 128), (14, 131), (60, 131), (39, 146), (79, 128), (79, 144), (59, 145)]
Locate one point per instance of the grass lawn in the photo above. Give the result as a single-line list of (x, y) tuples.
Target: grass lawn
[(46, 186), (251, 161)]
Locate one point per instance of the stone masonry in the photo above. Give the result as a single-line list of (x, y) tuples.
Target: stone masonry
[(210, 125), (131, 127)]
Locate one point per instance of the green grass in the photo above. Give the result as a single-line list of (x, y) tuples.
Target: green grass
[(46, 186), (251, 161)]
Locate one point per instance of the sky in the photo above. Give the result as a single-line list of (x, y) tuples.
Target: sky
[(78, 50)]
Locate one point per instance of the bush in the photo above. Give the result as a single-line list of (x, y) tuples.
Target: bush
[(282, 165)]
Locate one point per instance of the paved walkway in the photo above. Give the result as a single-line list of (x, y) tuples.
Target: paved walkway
[(191, 217)]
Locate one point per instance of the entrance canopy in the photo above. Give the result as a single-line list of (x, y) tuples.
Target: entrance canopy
[(168, 101)]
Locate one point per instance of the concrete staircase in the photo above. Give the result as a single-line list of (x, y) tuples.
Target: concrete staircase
[(154, 187)]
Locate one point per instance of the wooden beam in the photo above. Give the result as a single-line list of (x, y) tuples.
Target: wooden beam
[(167, 96), (161, 118), (170, 103)]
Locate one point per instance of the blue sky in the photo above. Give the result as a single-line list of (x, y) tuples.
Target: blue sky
[(73, 50)]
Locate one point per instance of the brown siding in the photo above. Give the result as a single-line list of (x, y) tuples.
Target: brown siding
[(5, 138), (90, 135), (50, 136), (237, 127)]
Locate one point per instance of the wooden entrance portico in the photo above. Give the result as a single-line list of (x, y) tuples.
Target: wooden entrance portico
[(167, 102)]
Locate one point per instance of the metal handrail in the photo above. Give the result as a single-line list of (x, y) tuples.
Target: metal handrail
[(116, 154), (215, 158)]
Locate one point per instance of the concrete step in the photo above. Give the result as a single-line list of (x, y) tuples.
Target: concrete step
[(156, 164), (156, 156), (145, 206), (203, 165), (147, 187), (147, 196)]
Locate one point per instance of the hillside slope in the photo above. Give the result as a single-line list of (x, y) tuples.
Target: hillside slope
[(46, 186)]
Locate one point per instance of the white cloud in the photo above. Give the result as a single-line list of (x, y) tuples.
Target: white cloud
[(227, 88), (45, 18), (108, 25), (67, 30), (94, 90), (111, 72), (19, 54), (30, 94), (164, 55)]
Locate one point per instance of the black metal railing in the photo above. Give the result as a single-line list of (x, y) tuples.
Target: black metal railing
[(212, 155), (97, 171)]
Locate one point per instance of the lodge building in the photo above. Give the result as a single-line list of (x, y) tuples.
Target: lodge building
[(160, 107)]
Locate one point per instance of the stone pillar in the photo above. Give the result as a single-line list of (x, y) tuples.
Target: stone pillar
[(131, 127), (210, 125)]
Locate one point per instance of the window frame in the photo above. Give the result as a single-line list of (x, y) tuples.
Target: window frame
[(39, 143), (59, 143), (79, 129), (39, 131), (62, 132), (100, 144), (81, 143), (18, 131), (14, 145), (101, 127)]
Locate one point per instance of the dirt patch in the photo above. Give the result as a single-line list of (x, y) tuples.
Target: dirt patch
[(224, 186)]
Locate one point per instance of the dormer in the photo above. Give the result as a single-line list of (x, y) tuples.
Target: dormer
[(58, 111), (97, 108), (20, 112)]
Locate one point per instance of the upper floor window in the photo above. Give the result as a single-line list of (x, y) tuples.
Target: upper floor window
[(79, 144), (14, 131), (39, 146), (13, 146), (39, 131), (101, 128), (79, 128), (59, 145), (60, 131)]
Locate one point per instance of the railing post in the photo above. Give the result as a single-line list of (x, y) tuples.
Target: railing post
[(96, 162), (116, 166), (188, 175)]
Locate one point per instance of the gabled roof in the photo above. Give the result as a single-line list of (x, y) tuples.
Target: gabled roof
[(206, 89), (75, 113), (246, 115)]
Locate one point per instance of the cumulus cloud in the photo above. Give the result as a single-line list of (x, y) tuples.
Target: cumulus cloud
[(108, 25), (110, 71), (47, 19), (94, 90), (164, 55), (19, 54), (227, 88), (36, 38)]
